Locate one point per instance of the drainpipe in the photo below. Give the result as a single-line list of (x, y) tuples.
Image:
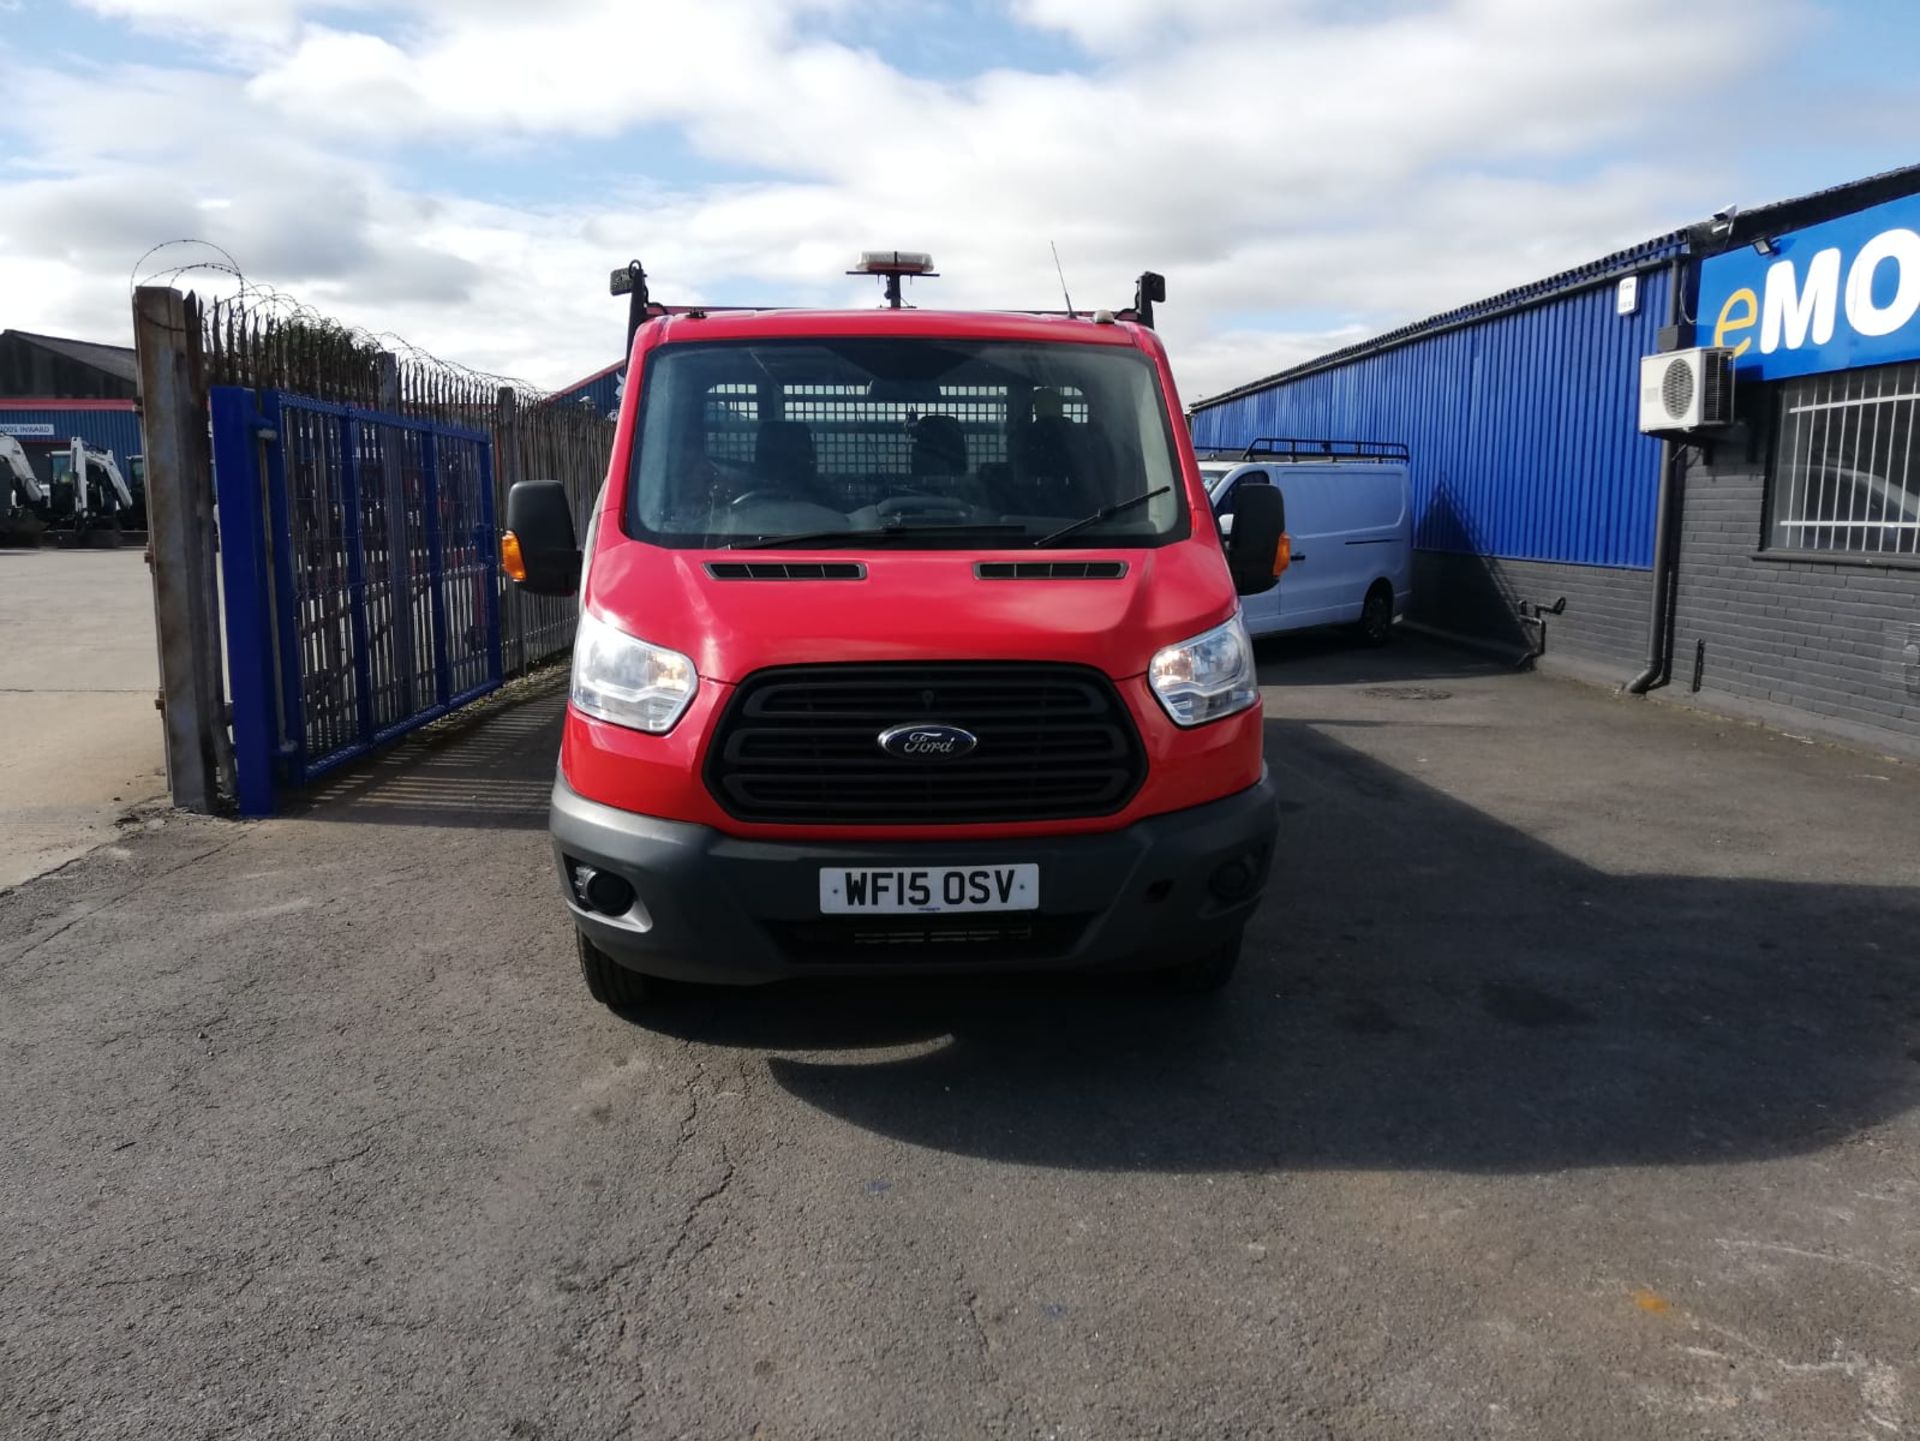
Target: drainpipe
[(1663, 545), (1666, 537)]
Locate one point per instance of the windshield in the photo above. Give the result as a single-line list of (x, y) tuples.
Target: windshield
[(854, 442), (1212, 472)]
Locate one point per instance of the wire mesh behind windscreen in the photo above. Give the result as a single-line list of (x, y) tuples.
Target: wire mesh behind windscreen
[(856, 439)]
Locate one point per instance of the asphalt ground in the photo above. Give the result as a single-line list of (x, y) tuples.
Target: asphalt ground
[(80, 742), (1566, 1091)]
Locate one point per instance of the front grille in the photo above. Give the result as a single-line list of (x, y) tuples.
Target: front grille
[(801, 745), (891, 940)]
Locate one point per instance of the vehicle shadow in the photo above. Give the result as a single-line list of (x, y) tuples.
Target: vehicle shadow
[(1425, 987), (488, 767), (1332, 656), (1455, 588)]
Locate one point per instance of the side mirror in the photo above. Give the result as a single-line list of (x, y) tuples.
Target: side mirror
[(1259, 526), (538, 550)]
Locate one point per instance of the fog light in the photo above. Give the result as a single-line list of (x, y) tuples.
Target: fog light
[(600, 890), (609, 894), (1234, 880)]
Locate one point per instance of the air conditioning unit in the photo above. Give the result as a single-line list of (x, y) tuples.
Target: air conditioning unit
[(1686, 389)]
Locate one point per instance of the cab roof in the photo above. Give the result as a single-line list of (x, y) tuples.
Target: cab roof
[(942, 324)]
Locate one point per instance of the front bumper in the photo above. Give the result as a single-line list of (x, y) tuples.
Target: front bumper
[(713, 907)]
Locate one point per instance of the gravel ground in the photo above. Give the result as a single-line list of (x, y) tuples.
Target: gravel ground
[(1566, 1091)]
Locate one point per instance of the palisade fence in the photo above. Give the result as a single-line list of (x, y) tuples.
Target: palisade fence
[(360, 484)]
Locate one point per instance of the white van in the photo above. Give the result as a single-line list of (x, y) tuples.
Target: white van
[(1350, 514)]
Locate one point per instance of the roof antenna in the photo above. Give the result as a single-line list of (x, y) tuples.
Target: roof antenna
[(1063, 277)]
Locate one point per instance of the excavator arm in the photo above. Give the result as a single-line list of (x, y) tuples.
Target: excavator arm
[(19, 476), (121, 491), (101, 460)]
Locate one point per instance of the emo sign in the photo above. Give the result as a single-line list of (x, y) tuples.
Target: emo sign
[(1835, 296)]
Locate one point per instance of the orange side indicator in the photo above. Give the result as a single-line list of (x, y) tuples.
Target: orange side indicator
[(1283, 555), (511, 561)]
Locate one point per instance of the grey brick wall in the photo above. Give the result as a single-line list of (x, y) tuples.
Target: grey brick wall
[(1835, 642), (1605, 622), (1830, 647)]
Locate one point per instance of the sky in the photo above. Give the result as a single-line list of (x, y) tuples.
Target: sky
[(1304, 172)]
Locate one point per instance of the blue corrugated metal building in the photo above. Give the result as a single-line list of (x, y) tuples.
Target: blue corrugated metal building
[(599, 392), (1790, 599), (46, 430), (103, 425), (1519, 413)]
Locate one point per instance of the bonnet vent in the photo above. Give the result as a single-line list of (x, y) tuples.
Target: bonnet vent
[(1050, 569), (786, 570)]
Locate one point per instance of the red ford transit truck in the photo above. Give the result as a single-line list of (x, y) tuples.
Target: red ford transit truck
[(907, 644)]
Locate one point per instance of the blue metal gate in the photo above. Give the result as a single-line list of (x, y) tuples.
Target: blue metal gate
[(358, 553)]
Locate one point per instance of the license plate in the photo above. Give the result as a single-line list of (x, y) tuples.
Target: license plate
[(895, 891)]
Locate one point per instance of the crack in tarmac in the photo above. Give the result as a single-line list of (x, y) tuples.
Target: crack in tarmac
[(112, 901)]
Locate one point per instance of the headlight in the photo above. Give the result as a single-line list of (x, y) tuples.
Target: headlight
[(1207, 677), (627, 681)]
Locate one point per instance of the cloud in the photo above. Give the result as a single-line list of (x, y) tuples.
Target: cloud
[(240, 27), (1124, 25), (1300, 170), (575, 68)]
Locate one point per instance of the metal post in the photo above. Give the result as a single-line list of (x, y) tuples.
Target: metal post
[(402, 531), (362, 660), (180, 547), (436, 567), (251, 672), (206, 527), (290, 652), (389, 381), (487, 544), (635, 284), (502, 463)]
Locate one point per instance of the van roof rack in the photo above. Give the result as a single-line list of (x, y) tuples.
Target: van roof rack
[(630, 280), (1294, 447)]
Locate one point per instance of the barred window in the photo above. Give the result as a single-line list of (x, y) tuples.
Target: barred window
[(1846, 473)]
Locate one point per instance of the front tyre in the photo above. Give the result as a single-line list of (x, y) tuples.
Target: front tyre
[(1376, 615), (609, 982)]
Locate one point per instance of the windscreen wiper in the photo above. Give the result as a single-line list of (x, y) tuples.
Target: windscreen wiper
[(885, 532), (1106, 512)]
